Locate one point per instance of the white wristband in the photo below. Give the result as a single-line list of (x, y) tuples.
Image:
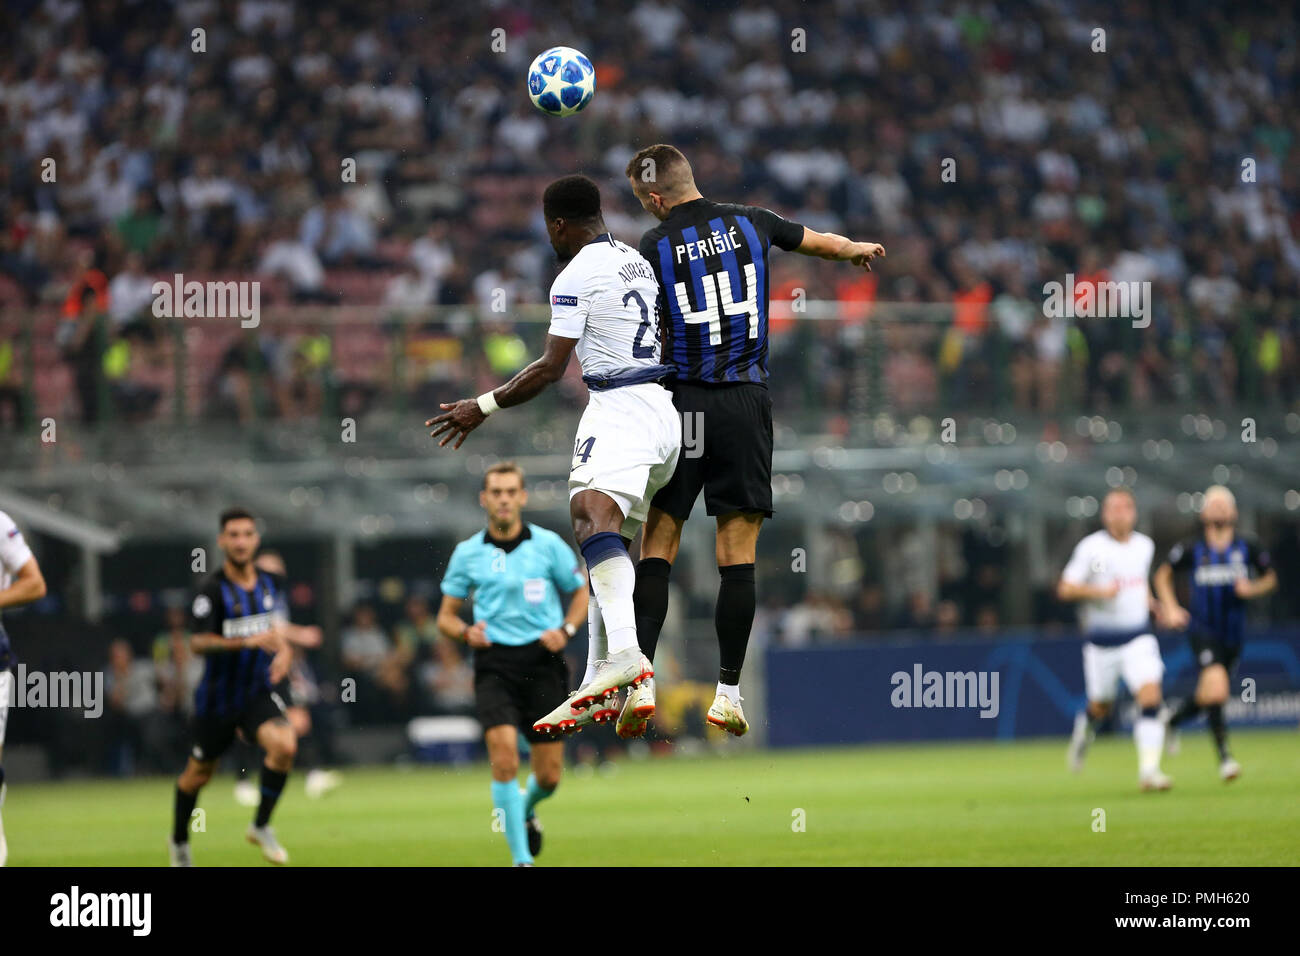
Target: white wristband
[(487, 403)]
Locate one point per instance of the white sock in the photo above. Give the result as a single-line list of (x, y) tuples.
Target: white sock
[(597, 649), (731, 690), (1149, 735), (614, 580)]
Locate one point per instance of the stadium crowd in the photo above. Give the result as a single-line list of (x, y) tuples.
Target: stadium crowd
[(991, 152)]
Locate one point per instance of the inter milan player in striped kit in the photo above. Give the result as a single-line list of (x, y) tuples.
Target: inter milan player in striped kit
[(1218, 565), (235, 625), (711, 263)]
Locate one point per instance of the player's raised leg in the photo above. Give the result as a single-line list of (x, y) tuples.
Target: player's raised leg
[(1143, 671), (193, 778), (277, 738), (597, 521), (733, 616), (1212, 694)]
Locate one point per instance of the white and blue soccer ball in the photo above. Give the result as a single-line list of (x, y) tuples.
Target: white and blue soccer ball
[(561, 81)]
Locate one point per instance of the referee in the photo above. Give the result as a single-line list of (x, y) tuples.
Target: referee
[(711, 262), (516, 573)]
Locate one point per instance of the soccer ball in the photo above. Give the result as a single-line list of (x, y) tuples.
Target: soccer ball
[(561, 81)]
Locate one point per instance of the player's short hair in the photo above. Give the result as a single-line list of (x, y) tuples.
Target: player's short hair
[(575, 198), (661, 168), (1219, 491), (1121, 490), (504, 468), (234, 514)]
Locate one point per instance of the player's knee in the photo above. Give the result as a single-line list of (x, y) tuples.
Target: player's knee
[(548, 778), (505, 769)]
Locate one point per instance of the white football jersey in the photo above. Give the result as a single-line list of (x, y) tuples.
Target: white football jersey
[(1100, 559), (14, 552), (606, 299)]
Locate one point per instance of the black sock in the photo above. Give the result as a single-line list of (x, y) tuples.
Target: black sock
[(1188, 709), (650, 599), (272, 785), (734, 618), (1219, 728), (181, 818)]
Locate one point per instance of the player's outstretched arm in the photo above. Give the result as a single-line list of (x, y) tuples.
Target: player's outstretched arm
[(1070, 591), (460, 418), (1248, 590), (1171, 613), (215, 643), (28, 586), (828, 245)]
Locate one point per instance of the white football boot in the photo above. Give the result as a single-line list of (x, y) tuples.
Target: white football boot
[(1229, 770), (1080, 738), (727, 714), (1154, 780), (637, 711), (264, 837), (179, 853), (627, 668)]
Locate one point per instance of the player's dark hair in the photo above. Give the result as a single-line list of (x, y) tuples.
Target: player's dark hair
[(573, 198), (660, 165), (504, 468), (234, 514)]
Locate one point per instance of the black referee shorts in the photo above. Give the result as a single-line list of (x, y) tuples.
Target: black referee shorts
[(213, 735), (1208, 649), (726, 450), (518, 685)]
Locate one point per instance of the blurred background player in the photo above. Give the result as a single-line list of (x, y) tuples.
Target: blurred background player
[(1108, 575), (1218, 564), (235, 626), (301, 690), (629, 436), (516, 573), (21, 582), (710, 260)]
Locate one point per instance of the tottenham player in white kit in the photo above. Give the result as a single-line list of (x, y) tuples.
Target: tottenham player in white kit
[(21, 582), (602, 306), (1109, 575)]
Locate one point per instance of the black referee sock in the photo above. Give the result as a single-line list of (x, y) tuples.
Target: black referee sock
[(734, 619), (1188, 709), (650, 599), (1219, 728), (184, 810), (272, 786)]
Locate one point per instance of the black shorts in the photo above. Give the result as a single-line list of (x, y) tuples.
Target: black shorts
[(213, 735), (518, 685), (726, 450), (1207, 649)]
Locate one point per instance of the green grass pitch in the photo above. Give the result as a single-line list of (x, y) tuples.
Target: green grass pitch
[(965, 804)]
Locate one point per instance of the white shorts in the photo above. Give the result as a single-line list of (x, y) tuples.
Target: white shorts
[(627, 446), (6, 689), (1138, 662)]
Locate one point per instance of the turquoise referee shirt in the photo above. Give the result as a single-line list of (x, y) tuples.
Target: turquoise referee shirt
[(517, 585)]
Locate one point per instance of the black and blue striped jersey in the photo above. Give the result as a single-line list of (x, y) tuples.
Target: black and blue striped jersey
[(711, 262), (1213, 604), (221, 607)]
